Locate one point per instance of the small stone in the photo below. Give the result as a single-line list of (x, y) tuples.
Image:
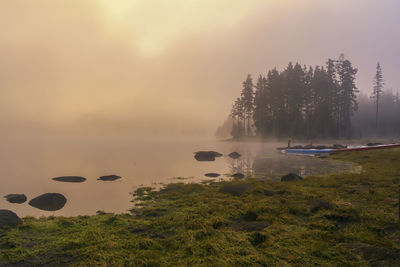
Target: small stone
[(234, 155), (70, 179), (111, 177), (212, 175), (16, 198), (206, 155)]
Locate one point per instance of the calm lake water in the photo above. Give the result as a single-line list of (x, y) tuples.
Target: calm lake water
[(28, 164)]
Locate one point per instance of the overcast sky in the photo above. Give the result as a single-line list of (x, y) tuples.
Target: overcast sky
[(172, 66)]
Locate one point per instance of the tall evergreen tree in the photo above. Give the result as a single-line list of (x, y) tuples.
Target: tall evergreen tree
[(262, 108), (248, 101), (334, 92), (347, 97), (377, 92), (237, 114)]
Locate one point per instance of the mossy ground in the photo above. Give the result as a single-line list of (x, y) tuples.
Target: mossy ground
[(270, 223)]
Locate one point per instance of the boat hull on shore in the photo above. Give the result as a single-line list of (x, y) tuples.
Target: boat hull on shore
[(313, 152)]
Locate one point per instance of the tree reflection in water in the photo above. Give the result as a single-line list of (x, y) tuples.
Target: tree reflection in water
[(262, 162)]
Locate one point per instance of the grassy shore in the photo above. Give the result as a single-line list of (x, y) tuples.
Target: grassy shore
[(335, 220)]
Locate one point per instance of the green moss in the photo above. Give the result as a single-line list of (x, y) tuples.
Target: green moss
[(266, 223)]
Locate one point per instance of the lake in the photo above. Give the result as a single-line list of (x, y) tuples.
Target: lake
[(28, 164)]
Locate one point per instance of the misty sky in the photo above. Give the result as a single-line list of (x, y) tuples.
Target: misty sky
[(172, 66)]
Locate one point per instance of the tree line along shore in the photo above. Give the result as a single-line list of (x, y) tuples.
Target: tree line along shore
[(307, 102)]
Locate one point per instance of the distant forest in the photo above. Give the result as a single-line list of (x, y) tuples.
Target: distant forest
[(320, 102)]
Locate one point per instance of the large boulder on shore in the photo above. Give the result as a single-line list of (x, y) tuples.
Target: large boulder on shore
[(9, 218), (111, 177), (16, 198), (206, 155), (49, 202), (291, 177), (70, 179)]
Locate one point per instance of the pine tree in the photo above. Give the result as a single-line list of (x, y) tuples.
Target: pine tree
[(248, 101), (237, 115), (377, 92), (309, 102), (347, 97), (277, 103), (333, 91), (262, 108)]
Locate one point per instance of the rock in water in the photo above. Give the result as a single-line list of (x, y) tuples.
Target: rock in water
[(16, 198), (212, 174), (234, 155), (206, 155), (111, 177), (49, 202), (70, 179), (238, 175), (9, 218), (291, 177)]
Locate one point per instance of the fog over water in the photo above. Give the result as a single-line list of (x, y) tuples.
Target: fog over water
[(27, 166), (170, 67)]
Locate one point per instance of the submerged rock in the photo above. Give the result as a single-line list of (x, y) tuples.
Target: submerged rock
[(49, 202), (9, 218), (212, 174), (70, 179), (238, 175), (111, 177), (206, 155), (234, 155), (16, 198), (291, 177)]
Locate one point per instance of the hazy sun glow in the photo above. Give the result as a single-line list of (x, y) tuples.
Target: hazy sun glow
[(156, 24)]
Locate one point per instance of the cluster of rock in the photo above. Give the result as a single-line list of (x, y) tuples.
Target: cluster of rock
[(211, 155), (47, 202)]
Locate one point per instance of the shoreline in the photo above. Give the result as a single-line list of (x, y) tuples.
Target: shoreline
[(336, 219)]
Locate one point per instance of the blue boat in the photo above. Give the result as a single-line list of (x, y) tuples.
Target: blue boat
[(310, 152)]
